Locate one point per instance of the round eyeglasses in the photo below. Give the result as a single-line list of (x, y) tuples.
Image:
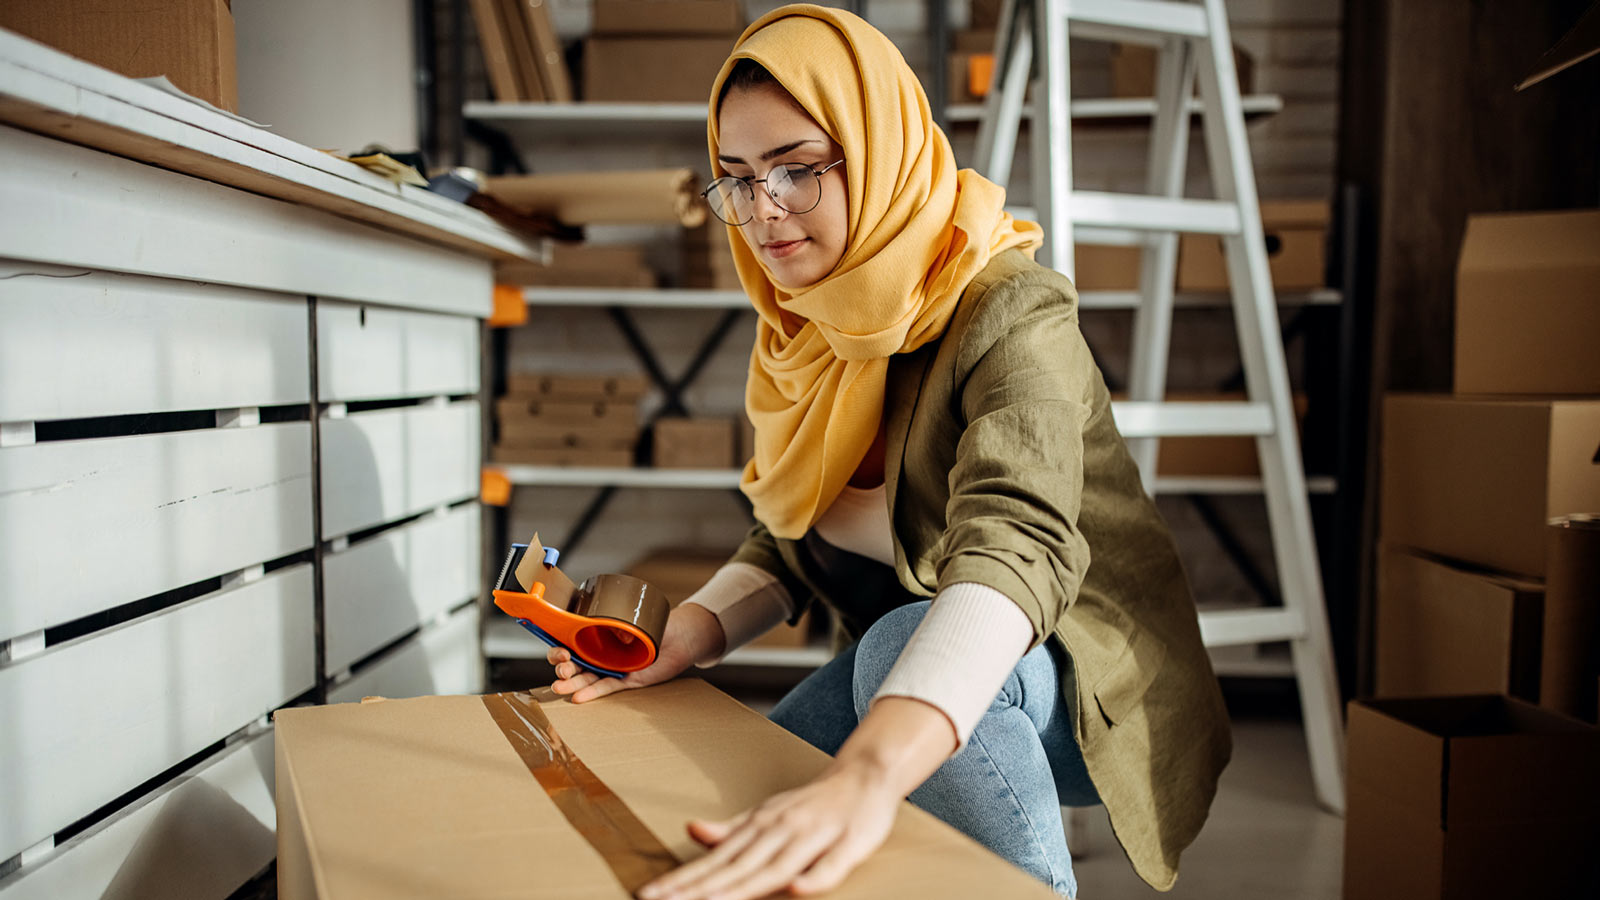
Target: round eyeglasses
[(796, 188)]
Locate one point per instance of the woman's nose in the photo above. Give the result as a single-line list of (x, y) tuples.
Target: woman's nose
[(766, 208)]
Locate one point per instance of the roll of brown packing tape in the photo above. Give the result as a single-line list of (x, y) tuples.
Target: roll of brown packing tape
[(606, 198), (1571, 651)]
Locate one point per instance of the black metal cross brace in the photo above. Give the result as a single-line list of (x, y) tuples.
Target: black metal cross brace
[(672, 398)]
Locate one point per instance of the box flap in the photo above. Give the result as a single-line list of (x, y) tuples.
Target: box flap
[(1394, 759), (1528, 241)]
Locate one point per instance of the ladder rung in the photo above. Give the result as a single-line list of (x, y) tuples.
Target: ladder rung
[(1226, 627), (1136, 419), (1133, 19), (1095, 209)]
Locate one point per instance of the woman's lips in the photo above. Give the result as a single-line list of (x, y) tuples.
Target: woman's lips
[(783, 248)]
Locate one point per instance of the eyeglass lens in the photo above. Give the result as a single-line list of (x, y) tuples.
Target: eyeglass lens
[(794, 188)]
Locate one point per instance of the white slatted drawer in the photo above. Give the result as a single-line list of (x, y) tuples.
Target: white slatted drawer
[(94, 717), (87, 525), (383, 587), (443, 659), (201, 836), (373, 353), (383, 465), (105, 344)]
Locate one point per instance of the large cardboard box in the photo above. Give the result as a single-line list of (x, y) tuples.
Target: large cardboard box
[(1447, 629), (189, 41), (1476, 479), (428, 798), (1296, 232), (1460, 798), (1528, 304), (641, 17), (653, 69)]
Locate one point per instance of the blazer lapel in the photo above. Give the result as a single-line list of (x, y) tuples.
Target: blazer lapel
[(901, 394)]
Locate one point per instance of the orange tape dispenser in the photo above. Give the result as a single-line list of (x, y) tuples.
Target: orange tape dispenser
[(612, 624)]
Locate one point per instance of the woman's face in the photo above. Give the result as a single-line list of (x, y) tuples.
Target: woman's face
[(760, 129)]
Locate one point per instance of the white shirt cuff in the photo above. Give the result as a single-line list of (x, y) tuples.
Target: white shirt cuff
[(956, 661), (747, 600)]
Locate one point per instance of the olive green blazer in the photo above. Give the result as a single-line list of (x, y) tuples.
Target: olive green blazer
[(1004, 468)]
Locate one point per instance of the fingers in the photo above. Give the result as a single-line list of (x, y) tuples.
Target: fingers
[(683, 881), (598, 687)]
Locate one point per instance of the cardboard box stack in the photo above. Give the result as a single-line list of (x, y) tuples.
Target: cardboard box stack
[(1470, 480), (569, 420), (679, 572), (658, 50), (582, 265), (708, 258), (1297, 237)]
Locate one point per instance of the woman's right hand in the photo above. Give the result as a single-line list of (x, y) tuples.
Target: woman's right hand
[(692, 634)]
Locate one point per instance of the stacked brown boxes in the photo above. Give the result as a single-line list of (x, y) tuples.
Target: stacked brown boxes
[(658, 50), (569, 420), (1469, 582), (1296, 232), (708, 258)]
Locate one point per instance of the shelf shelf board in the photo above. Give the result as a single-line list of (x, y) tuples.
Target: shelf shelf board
[(546, 121), (728, 479), (658, 298)]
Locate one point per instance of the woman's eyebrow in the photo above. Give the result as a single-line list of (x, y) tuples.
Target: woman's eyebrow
[(774, 152)]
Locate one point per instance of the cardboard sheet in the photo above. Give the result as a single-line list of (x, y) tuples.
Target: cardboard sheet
[(653, 196), (427, 798)]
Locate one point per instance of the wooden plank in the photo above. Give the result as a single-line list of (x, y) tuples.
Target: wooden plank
[(385, 586), (112, 213), (88, 525), (50, 92), (203, 834), (94, 717), (75, 345), (369, 352), (383, 465), (444, 659)]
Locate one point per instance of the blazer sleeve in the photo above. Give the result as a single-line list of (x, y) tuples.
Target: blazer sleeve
[(1016, 487), (760, 549)]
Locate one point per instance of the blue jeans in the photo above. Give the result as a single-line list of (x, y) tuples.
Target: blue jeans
[(1006, 786)]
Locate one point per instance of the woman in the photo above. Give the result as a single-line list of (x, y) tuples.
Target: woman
[(936, 460)]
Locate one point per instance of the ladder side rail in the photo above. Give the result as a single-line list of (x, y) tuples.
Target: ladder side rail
[(1158, 264), (1052, 134), (1267, 380), (1002, 108)]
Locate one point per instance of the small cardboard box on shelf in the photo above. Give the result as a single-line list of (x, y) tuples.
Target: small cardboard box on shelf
[(1527, 307), (1296, 232), (1477, 478), (481, 796), (653, 69), (1469, 797), (693, 443), (1444, 628)]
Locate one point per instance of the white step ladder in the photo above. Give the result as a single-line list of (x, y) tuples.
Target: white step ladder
[(1193, 41)]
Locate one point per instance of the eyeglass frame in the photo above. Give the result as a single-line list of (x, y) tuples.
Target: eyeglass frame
[(751, 182)]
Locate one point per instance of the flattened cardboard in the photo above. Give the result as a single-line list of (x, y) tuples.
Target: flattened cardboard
[(1527, 304), (571, 386), (426, 798), (189, 41), (1446, 629), (567, 412), (1470, 797), (1476, 479), (694, 443)]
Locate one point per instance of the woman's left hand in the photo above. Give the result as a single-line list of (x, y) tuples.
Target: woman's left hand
[(804, 841)]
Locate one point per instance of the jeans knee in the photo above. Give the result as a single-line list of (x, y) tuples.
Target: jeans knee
[(878, 649)]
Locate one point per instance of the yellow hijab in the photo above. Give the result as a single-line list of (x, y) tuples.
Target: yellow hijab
[(919, 231)]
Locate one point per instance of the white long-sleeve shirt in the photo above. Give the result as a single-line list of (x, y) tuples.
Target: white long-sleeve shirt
[(956, 660)]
